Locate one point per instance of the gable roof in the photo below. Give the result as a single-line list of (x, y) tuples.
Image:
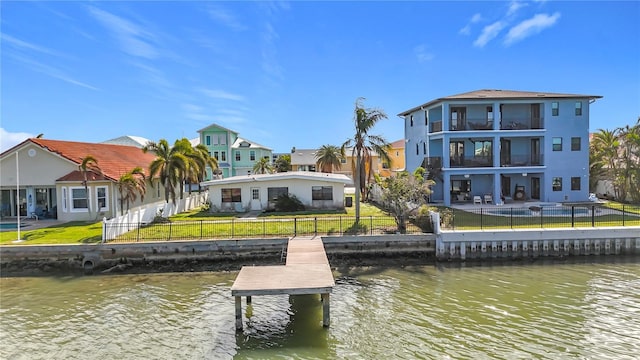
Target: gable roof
[(298, 175), (216, 126), (113, 160), (252, 145), (398, 144), (501, 94)]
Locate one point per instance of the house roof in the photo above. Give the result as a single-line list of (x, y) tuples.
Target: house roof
[(501, 94), (298, 175), (398, 144), (113, 160), (304, 157), (252, 145), (129, 140), (217, 126)]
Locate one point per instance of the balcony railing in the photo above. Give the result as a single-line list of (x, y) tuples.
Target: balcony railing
[(436, 126), (472, 161), (522, 160), (521, 124), (432, 162)]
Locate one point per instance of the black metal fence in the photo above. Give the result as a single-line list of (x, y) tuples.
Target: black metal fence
[(257, 228), (541, 217)]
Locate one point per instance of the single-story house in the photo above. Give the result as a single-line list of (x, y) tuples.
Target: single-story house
[(259, 191), (42, 177)]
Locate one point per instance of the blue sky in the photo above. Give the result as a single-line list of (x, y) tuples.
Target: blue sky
[(287, 74)]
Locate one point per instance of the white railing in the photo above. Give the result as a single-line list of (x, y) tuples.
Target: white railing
[(145, 214)]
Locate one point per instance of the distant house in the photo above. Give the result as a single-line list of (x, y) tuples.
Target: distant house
[(259, 191), (235, 155), (305, 160), (48, 182), (396, 155), (518, 145), (128, 140)]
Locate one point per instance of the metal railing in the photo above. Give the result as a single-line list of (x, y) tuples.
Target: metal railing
[(543, 217), (257, 228)]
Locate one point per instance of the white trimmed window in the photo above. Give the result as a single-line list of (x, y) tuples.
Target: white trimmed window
[(79, 199), (101, 195)]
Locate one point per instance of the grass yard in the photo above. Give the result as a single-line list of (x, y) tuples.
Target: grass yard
[(75, 232)]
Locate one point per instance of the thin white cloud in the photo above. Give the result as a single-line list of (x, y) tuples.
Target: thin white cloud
[(466, 30), (531, 27), (11, 139), (52, 71), (422, 53), (223, 95), (270, 64), (489, 32), (23, 45), (514, 6), (225, 17), (132, 38)]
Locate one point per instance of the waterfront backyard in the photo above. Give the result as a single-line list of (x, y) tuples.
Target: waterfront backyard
[(201, 224)]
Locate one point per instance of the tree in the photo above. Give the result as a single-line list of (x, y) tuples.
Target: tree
[(204, 160), (329, 157), (363, 145), (88, 164), (283, 163), (130, 185), (262, 166), (402, 195), (169, 165)]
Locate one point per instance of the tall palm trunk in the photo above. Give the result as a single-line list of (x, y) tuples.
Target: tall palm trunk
[(356, 181)]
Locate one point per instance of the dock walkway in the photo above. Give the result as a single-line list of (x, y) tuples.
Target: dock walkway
[(306, 271)]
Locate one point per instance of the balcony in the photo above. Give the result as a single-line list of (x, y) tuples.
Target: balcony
[(432, 162), (521, 124), (522, 160), (436, 126), (471, 161), (470, 125)]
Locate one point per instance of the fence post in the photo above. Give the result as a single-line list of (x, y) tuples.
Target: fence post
[(511, 217), (593, 215), (623, 213), (295, 226), (138, 233), (371, 224), (232, 227), (264, 228), (315, 225), (340, 218), (541, 217), (201, 229), (573, 215), (481, 219), (169, 232)]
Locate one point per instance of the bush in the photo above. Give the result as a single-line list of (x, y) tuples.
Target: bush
[(422, 219), (288, 203)]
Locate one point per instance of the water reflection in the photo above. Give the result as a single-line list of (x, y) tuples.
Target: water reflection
[(586, 309)]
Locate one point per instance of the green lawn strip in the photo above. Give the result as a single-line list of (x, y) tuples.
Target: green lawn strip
[(632, 209), (68, 233)]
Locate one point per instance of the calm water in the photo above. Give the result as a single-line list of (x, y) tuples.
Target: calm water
[(567, 311)]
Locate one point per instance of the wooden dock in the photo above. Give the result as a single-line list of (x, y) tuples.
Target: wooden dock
[(306, 271)]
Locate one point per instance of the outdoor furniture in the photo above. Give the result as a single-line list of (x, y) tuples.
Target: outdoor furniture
[(477, 200), (488, 199)]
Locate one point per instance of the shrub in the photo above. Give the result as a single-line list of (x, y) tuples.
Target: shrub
[(422, 219), (288, 203)]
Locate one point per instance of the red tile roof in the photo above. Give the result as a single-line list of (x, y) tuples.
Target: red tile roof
[(113, 160)]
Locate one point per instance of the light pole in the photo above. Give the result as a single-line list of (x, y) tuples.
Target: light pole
[(18, 194)]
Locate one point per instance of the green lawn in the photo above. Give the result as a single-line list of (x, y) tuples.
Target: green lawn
[(75, 232)]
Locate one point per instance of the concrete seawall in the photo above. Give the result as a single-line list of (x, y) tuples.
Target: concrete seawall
[(526, 243), (100, 257)]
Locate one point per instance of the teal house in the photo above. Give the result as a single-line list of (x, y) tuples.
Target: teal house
[(235, 155)]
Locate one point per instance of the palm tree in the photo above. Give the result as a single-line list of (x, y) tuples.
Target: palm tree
[(329, 157), (204, 160), (198, 159), (604, 146), (130, 185), (169, 164), (283, 163), (88, 164), (262, 166), (364, 145)]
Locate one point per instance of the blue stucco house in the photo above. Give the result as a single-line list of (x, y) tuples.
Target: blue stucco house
[(510, 145), (235, 155)]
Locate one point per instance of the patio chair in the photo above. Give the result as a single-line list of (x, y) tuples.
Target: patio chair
[(477, 200), (488, 199)]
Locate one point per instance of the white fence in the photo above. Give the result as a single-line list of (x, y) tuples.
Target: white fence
[(145, 214)]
